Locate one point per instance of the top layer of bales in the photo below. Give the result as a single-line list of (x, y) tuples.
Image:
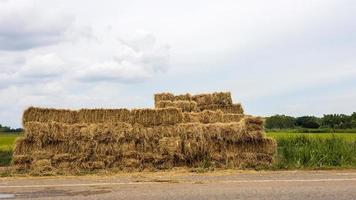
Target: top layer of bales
[(218, 98), (200, 102), (145, 117)]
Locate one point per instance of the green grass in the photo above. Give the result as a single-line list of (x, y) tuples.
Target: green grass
[(315, 150), (313, 130), (345, 136), (7, 141)]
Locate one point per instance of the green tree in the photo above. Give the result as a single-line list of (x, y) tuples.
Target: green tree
[(308, 122), (340, 121), (280, 122), (353, 120)]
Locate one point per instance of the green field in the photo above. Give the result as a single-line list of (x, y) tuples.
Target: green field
[(7, 140), (346, 136), (315, 150), (6, 143), (295, 150)]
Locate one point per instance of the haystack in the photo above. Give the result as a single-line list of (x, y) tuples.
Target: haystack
[(183, 130), (214, 101)]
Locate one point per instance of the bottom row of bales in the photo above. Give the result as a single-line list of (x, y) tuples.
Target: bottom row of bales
[(57, 148)]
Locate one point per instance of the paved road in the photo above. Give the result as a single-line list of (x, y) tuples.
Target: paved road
[(173, 185)]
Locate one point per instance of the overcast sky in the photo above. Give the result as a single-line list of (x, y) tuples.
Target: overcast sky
[(278, 56)]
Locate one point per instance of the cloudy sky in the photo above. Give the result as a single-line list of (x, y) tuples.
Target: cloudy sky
[(278, 56)]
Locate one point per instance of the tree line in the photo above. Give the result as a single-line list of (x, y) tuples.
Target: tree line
[(9, 129), (332, 121)]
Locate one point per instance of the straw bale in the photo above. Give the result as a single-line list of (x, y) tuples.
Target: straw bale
[(217, 98), (183, 97), (163, 97), (129, 150), (170, 145), (34, 114), (233, 108), (40, 155), (185, 106), (226, 118), (131, 163), (156, 117), (63, 157), (42, 167), (93, 165), (203, 99), (222, 98), (165, 104), (205, 117), (104, 115), (209, 116), (21, 159), (23, 146)]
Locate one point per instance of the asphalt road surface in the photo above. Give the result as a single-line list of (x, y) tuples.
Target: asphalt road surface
[(323, 185)]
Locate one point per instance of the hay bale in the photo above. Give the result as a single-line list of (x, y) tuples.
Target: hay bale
[(163, 97), (222, 98), (34, 114), (156, 117), (164, 104), (226, 118), (104, 115), (205, 117), (42, 167), (21, 159), (170, 145), (229, 109), (203, 99), (217, 98), (23, 146), (92, 165), (183, 97), (185, 106), (63, 157)]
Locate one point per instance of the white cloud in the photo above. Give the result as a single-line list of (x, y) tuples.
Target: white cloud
[(43, 66), (24, 25), (132, 59), (262, 51)]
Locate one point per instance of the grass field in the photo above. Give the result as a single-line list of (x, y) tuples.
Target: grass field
[(315, 150), (6, 143), (295, 150), (345, 136), (7, 140)]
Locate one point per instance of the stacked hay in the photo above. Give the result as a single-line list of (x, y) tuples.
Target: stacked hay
[(176, 133), (214, 101), (185, 106), (146, 117)]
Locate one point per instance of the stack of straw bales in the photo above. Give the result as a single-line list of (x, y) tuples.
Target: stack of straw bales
[(182, 130), (214, 101)]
